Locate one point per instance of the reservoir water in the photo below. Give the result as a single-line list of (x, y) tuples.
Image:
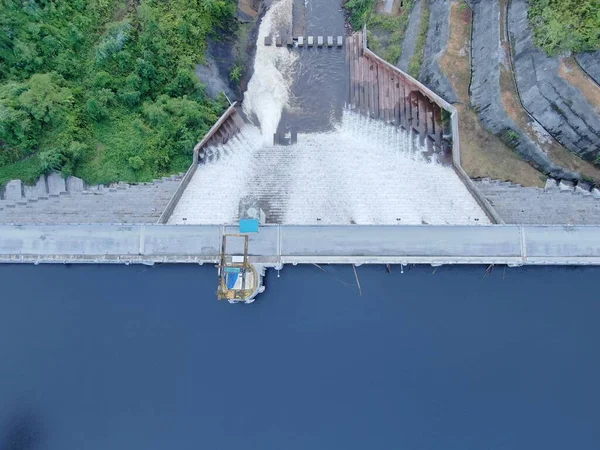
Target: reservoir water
[(116, 357)]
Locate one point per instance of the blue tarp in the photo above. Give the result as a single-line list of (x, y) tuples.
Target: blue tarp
[(249, 225), (232, 279)]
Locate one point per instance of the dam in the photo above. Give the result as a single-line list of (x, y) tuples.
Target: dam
[(334, 155), (380, 153)]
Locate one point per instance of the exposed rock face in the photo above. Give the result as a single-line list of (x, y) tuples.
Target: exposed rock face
[(410, 37), (437, 41), (489, 58), (590, 62), (560, 107)]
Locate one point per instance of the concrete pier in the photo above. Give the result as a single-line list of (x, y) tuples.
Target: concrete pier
[(275, 245)]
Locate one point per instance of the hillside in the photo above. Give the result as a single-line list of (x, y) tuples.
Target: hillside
[(522, 73), (104, 89)]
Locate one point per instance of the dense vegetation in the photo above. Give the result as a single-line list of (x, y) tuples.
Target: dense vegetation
[(385, 32), (562, 26), (104, 89)]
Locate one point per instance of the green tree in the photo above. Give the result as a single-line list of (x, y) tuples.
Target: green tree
[(562, 26), (45, 100)]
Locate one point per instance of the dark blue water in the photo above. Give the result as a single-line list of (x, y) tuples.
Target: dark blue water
[(146, 358)]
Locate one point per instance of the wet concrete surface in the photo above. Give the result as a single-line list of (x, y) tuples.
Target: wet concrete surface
[(319, 90)]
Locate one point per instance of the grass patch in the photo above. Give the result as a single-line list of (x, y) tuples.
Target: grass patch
[(416, 62), (386, 33), (564, 26)]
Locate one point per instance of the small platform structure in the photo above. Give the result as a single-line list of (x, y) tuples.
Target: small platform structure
[(239, 281)]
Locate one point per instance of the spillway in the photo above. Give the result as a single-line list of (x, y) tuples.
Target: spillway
[(363, 172), (346, 166)]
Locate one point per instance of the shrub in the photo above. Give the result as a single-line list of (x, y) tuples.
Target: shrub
[(360, 10), (236, 73), (562, 26), (117, 35), (136, 162), (52, 160)]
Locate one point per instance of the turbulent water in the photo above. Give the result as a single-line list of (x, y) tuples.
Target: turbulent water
[(363, 172), (269, 88), (344, 169)]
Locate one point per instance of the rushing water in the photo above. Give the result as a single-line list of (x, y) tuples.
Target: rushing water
[(361, 172), (115, 357), (269, 87)]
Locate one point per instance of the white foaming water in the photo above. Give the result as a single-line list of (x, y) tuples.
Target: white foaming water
[(269, 88), (364, 172)]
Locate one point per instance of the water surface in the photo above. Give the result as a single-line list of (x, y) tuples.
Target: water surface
[(107, 357)]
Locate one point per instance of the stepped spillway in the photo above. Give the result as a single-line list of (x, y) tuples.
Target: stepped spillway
[(363, 172)]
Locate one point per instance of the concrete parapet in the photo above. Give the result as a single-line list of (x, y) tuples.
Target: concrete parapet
[(230, 113), (74, 184), (566, 186), (551, 184), (39, 189), (583, 189), (56, 184), (13, 190)]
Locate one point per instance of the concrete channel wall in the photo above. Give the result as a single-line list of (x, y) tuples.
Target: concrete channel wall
[(206, 141), (275, 245), (415, 121)]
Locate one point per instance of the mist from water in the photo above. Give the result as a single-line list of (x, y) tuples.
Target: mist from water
[(269, 88)]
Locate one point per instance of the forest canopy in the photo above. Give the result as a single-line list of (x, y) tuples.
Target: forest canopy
[(563, 26), (104, 89)]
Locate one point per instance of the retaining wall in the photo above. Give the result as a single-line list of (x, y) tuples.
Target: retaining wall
[(209, 139), (420, 112)]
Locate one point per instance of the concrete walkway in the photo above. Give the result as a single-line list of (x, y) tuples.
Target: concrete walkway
[(276, 245)]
